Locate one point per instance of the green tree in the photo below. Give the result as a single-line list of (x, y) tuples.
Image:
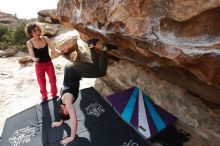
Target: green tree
[(5, 36), (16, 37), (3, 32), (19, 36)]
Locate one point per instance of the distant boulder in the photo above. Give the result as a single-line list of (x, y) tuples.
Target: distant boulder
[(8, 19), (25, 59), (49, 29), (8, 52), (49, 16)]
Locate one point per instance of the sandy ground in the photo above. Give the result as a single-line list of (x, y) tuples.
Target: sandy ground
[(19, 89)]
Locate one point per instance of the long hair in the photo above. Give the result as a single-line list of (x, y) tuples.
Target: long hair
[(63, 116)]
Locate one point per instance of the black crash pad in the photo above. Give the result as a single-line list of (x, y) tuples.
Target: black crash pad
[(98, 124), (22, 129)]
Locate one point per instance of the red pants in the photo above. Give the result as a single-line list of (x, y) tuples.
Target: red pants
[(41, 69)]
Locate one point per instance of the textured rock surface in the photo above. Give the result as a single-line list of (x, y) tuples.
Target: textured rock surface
[(49, 29), (67, 38), (190, 110), (49, 16), (195, 116), (178, 40)]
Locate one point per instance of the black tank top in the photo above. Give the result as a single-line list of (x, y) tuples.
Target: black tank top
[(42, 53)]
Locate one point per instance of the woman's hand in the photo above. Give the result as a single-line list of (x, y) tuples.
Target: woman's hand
[(66, 140), (35, 59), (57, 124)]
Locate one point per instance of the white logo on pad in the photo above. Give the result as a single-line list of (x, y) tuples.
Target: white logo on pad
[(130, 143), (22, 136), (95, 109)]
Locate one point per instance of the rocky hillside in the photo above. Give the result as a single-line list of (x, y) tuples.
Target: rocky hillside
[(168, 48), (8, 19)]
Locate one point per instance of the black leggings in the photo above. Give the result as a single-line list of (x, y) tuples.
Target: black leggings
[(97, 68), (73, 72)]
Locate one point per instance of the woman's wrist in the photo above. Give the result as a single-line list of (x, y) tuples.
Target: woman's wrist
[(34, 59), (61, 121)]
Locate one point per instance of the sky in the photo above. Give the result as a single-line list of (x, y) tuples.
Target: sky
[(26, 8)]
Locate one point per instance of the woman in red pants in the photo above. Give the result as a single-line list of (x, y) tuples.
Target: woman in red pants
[(38, 49)]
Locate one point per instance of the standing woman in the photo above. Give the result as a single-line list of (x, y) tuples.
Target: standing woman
[(38, 50)]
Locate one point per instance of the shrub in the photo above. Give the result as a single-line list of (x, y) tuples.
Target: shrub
[(5, 34), (3, 31), (13, 37), (19, 36)]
